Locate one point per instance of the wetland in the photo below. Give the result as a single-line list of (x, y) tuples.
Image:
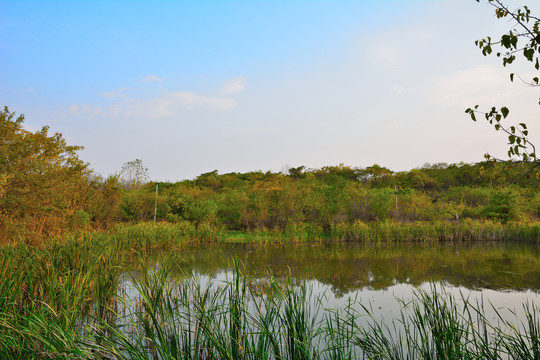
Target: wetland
[(149, 292)]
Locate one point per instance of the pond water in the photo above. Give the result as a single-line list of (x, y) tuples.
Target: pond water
[(503, 274), (378, 280), (346, 267)]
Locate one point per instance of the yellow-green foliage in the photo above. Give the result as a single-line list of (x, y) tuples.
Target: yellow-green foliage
[(45, 190), (334, 195)]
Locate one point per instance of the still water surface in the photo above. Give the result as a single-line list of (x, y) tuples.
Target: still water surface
[(376, 282), (504, 275)]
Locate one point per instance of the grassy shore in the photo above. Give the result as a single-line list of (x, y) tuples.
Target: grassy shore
[(62, 300), (148, 235)]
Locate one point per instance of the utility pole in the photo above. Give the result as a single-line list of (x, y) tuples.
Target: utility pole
[(395, 191), (155, 204)]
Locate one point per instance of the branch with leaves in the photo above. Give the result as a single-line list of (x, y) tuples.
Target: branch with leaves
[(523, 38), (519, 144)]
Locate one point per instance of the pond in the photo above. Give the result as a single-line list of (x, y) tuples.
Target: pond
[(346, 267), (365, 284)]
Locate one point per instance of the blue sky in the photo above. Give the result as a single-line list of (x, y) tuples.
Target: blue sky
[(189, 87)]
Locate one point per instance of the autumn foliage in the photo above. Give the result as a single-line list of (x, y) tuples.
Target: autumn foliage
[(46, 190)]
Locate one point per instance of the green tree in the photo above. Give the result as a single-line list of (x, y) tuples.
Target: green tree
[(520, 42), (43, 183), (104, 201), (504, 205)]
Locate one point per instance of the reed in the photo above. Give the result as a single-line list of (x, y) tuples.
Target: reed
[(64, 300), (234, 320), (173, 315), (466, 230)]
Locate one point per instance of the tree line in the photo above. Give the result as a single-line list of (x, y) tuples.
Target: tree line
[(46, 190)]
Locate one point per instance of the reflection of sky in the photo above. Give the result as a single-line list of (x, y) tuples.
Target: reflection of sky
[(374, 281), (387, 305)]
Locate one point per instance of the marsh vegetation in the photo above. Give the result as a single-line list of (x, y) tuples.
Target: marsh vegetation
[(154, 291)]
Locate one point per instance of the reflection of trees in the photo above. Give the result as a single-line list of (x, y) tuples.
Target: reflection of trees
[(346, 267)]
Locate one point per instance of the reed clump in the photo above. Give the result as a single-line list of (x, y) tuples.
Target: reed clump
[(66, 299), (163, 312), (466, 230)]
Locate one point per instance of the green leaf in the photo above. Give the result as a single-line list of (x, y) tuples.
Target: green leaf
[(512, 139), (505, 111), (471, 113), (528, 53), (512, 77), (523, 125)]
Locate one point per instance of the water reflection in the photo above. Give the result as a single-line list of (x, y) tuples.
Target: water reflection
[(504, 275), (374, 283), (348, 267)]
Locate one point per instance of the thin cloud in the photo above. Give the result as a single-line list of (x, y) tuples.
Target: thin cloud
[(115, 94), (233, 86), (73, 110), (152, 78), (191, 100), (171, 102), (168, 104), (84, 110)]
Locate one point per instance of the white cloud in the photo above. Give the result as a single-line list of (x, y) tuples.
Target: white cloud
[(233, 86), (152, 78), (31, 89), (84, 110), (167, 104), (73, 110), (115, 110), (171, 102), (115, 94), (192, 100)]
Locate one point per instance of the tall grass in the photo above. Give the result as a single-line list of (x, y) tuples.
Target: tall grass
[(466, 230), (63, 299), (439, 326), (237, 320), (167, 314)]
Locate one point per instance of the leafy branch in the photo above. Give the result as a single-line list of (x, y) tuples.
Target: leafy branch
[(519, 144), (525, 30)]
